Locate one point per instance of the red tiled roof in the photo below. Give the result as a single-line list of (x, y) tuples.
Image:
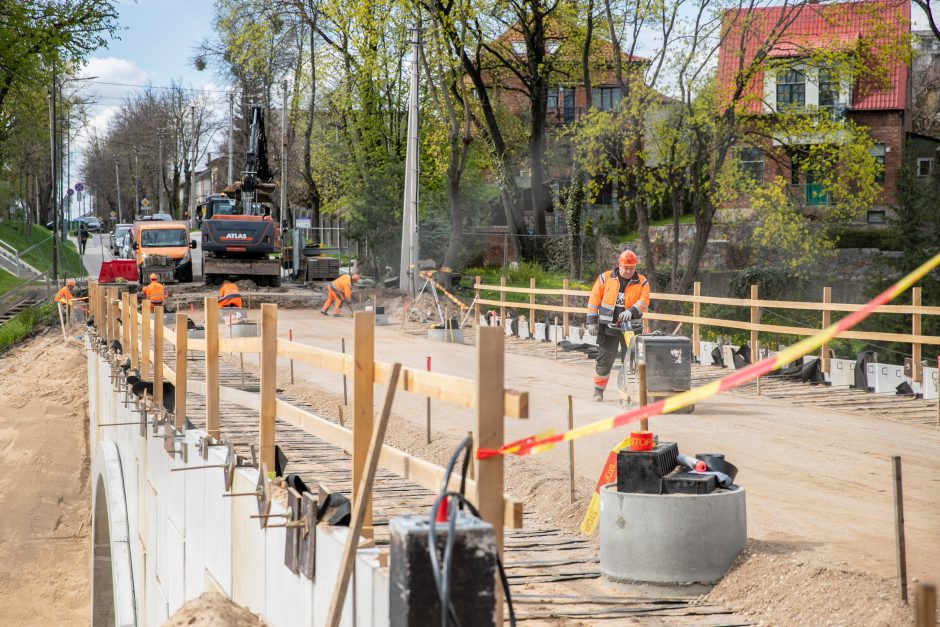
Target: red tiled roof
[(839, 26)]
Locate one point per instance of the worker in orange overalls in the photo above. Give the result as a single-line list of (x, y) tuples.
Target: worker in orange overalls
[(64, 295), (618, 296), (154, 292), (229, 296), (340, 291)]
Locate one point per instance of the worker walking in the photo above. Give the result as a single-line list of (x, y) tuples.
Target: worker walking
[(618, 296), (154, 292), (229, 296), (340, 291)]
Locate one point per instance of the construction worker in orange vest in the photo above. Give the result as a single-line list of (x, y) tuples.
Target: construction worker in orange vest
[(618, 296), (64, 295), (340, 291), (229, 296), (154, 291)]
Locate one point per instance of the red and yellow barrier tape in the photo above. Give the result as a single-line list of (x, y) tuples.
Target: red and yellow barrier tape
[(543, 442)]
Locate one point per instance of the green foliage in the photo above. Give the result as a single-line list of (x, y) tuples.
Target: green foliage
[(14, 233), (8, 282), (865, 237), (519, 277), (25, 323)]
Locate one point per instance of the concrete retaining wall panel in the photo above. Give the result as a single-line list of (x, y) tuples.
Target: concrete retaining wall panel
[(248, 547), (288, 597), (176, 488), (218, 525), (175, 560), (195, 510), (330, 542), (372, 601)]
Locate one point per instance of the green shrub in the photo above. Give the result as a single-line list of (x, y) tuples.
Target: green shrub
[(24, 323), (863, 237)]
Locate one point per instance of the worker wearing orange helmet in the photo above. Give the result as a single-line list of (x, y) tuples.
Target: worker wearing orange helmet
[(340, 291), (229, 296), (618, 296), (64, 295), (154, 292)]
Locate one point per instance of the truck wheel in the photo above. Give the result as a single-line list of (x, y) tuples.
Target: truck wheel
[(209, 279), (275, 281)]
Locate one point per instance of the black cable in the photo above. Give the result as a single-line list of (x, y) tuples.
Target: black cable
[(442, 573)]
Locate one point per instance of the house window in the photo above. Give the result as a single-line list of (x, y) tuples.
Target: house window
[(552, 105), (876, 216), (568, 101), (924, 167), (829, 95), (752, 163), (878, 152), (605, 98), (518, 47), (552, 47), (791, 89)]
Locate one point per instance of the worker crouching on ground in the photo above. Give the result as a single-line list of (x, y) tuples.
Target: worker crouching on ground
[(64, 295), (618, 296), (229, 296), (340, 291), (154, 291)]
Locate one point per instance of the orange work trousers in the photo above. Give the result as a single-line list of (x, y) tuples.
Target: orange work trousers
[(333, 298)]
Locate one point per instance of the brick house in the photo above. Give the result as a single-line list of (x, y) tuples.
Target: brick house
[(883, 107)]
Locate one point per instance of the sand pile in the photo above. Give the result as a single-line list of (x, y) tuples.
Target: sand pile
[(213, 610)]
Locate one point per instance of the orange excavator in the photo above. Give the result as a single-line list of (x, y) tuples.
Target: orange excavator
[(240, 240)]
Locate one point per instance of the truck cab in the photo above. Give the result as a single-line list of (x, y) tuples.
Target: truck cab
[(162, 248)]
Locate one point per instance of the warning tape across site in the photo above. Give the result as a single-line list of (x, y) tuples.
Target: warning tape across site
[(545, 441)]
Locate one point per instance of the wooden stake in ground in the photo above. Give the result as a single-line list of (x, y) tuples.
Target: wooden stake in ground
[(641, 384), (182, 338), (211, 309), (362, 406), (926, 609), (899, 526), (345, 393), (62, 322), (428, 407), (360, 504), (290, 337), (571, 447), (268, 391)]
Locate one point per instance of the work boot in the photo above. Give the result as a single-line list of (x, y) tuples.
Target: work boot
[(324, 313), (337, 315), (598, 395)]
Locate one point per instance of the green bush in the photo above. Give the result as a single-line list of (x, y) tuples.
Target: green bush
[(24, 323), (854, 237)]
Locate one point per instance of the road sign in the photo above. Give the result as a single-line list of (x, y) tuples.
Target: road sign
[(79, 187), (145, 202), (302, 223), (113, 214), (70, 192)]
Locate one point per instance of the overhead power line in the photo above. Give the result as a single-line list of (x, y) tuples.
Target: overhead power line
[(165, 87)]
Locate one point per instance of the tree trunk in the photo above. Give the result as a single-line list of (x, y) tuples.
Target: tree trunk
[(313, 192)]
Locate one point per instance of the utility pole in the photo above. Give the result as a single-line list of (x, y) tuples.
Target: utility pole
[(52, 172), (282, 209), (410, 243), (117, 187), (161, 133), (136, 182), (231, 131), (192, 169)]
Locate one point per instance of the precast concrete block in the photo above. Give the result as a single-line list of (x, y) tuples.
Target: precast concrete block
[(330, 543), (727, 353), (372, 602), (217, 523), (705, 353), (248, 546), (929, 387), (175, 492), (670, 539), (841, 373), (540, 330), (194, 489), (174, 552), (288, 597), (885, 378), (523, 329)]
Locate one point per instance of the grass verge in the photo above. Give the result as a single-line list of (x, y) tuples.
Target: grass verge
[(25, 324), (8, 282), (18, 235)]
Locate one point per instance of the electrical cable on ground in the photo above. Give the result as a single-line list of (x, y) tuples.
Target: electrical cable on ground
[(441, 567)]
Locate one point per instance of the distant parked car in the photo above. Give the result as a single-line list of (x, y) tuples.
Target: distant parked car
[(116, 234), (157, 216), (91, 223), (124, 250)]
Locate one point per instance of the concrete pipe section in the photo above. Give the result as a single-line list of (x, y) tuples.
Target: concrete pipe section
[(112, 584), (687, 541)]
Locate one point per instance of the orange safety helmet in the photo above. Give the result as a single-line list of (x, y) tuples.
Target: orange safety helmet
[(355, 277), (627, 258), (153, 276), (70, 282)]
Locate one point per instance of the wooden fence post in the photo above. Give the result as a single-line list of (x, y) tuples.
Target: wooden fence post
[(476, 298), (531, 308), (112, 314), (182, 337), (755, 342), (158, 356), (925, 613), (211, 309), (362, 409), (917, 372), (565, 285), (502, 301), (696, 327), (126, 322), (899, 527), (135, 346), (826, 321), (268, 383), (489, 429), (145, 340)]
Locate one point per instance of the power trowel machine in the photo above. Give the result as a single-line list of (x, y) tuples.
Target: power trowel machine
[(668, 360)]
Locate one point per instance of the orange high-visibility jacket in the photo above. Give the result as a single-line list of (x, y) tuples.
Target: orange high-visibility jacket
[(229, 296), (64, 296), (342, 287), (154, 293), (603, 298)]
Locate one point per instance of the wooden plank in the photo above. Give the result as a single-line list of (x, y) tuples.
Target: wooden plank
[(502, 304), (158, 356), (476, 298), (240, 345), (917, 371), (317, 357), (145, 311), (363, 504), (179, 415), (755, 341), (564, 303), (531, 307), (135, 347), (489, 429), (363, 381), (826, 321), (268, 382), (125, 322), (211, 309)]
